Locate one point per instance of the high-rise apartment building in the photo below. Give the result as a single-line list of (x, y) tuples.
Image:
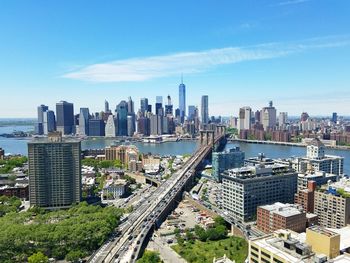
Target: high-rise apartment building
[(182, 100), (221, 161), (306, 197), (332, 205), (282, 119), (205, 109), (54, 172), (65, 117)]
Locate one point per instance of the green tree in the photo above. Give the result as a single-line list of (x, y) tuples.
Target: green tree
[(38, 257), (74, 256), (150, 257), (200, 233)]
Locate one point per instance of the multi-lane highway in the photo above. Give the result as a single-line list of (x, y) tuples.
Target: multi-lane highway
[(125, 248)]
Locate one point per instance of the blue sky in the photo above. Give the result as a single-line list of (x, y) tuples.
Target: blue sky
[(294, 52)]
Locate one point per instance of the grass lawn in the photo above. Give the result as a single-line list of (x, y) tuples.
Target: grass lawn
[(235, 248)]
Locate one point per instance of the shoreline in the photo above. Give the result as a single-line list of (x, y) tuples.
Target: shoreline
[(296, 144)]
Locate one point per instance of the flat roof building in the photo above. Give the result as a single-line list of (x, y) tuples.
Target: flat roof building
[(246, 188)]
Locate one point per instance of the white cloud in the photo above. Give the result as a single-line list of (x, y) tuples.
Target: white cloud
[(141, 69), (293, 2)]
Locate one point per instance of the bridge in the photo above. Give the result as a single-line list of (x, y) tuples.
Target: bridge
[(137, 229)]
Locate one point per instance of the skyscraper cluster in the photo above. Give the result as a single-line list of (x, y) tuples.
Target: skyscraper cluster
[(125, 121)]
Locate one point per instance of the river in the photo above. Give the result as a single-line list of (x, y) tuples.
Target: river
[(14, 145)]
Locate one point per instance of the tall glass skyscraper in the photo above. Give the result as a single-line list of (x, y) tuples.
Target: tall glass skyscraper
[(204, 109), (182, 100), (65, 117), (39, 128), (122, 115), (144, 105)]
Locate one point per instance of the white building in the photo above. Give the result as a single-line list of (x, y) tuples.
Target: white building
[(111, 127), (245, 116)]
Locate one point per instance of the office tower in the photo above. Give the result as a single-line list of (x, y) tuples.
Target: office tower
[(131, 109), (332, 204), (244, 121), (111, 127), (39, 126), (106, 106), (156, 125), (149, 108), (182, 100), (144, 105), (221, 161), (165, 125), (244, 189), (122, 115), (257, 116), (191, 112), (281, 216), (169, 107), (96, 127), (131, 125), (84, 117), (49, 122), (282, 119), (54, 172), (159, 105), (268, 117), (304, 116), (143, 126), (65, 117), (204, 109), (334, 117)]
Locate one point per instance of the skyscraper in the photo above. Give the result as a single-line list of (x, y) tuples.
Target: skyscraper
[(131, 124), (169, 107), (182, 100), (191, 112), (244, 121), (111, 127), (54, 172), (122, 115), (204, 109), (282, 118), (268, 116), (84, 121), (96, 127), (49, 122), (39, 129), (106, 106), (159, 105), (334, 117), (130, 106), (65, 117), (143, 105)]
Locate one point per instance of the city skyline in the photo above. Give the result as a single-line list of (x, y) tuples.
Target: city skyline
[(236, 54)]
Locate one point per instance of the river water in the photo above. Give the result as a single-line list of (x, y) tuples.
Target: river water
[(13, 145)]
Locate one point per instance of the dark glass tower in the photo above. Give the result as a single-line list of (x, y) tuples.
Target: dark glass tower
[(65, 117)]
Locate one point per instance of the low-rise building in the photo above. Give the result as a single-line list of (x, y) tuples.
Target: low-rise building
[(317, 245), (114, 189), (281, 216), (320, 178), (19, 190)]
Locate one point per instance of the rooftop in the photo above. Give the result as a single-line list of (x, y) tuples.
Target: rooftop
[(285, 210)]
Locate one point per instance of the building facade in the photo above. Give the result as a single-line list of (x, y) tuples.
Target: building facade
[(246, 188), (65, 117), (221, 161), (54, 172)]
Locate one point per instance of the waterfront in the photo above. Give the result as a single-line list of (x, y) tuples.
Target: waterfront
[(16, 145)]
